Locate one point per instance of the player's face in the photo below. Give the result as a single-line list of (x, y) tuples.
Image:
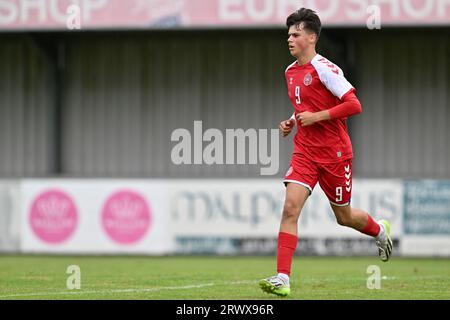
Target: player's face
[(299, 40)]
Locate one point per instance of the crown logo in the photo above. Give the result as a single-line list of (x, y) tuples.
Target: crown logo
[(126, 208), (53, 206)]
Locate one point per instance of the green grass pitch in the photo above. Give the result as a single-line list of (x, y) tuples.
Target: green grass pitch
[(217, 278)]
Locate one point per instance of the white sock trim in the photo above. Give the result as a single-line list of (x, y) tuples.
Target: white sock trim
[(284, 277), (381, 235)]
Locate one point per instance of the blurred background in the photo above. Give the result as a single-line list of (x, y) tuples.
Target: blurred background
[(92, 90)]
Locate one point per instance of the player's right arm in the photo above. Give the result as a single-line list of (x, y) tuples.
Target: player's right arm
[(286, 126)]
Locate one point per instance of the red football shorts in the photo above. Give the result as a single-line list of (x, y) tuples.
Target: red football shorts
[(335, 179)]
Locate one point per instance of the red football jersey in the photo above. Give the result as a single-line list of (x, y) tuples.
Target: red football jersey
[(316, 86)]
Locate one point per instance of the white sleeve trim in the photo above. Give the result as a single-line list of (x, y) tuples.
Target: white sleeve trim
[(293, 117), (331, 76)]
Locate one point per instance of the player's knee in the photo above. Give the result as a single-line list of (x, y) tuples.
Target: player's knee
[(345, 221), (341, 221), (291, 210), (343, 215)]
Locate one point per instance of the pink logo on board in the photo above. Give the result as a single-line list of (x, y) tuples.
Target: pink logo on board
[(126, 217), (53, 216)]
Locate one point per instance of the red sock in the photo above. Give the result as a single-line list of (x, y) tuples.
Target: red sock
[(372, 228), (286, 247)]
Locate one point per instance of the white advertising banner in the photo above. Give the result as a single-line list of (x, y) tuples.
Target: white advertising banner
[(252, 208), (9, 216), (95, 216), (234, 216), (226, 207)]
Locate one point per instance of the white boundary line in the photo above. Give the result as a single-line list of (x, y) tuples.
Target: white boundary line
[(81, 292), (195, 286)]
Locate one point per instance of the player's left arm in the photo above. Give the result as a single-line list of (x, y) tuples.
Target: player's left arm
[(350, 106), (333, 79)]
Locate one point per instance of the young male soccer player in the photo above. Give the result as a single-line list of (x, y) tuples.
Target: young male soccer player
[(323, 100)]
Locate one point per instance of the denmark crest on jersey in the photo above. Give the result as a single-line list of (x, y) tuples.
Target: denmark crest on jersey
[(308, 79)]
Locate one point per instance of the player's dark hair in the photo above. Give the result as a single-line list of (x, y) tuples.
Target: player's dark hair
[(310, 19)]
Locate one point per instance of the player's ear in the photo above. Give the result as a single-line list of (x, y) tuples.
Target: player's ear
[(316, 38), (313, 38)]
